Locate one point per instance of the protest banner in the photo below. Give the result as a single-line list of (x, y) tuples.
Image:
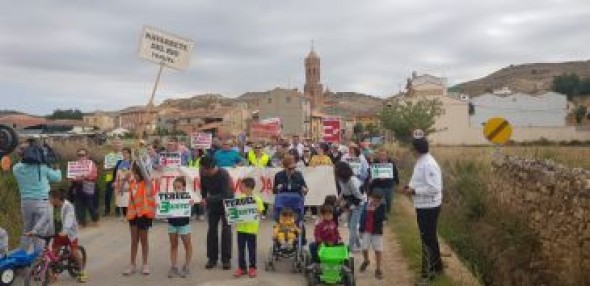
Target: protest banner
[(331, 129), (165, 48), (111, 159), (78, 169), (265, 129), (355, 164), (240, 210), (382, 171), (170, 160), (320, 181), (174, 205), (201, 140)]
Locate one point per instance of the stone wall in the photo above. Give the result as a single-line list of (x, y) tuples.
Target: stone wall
[(555, 201)]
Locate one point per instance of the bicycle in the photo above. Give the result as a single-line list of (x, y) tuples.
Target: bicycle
[(49, 264)]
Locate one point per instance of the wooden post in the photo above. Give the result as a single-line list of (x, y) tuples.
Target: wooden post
[(150, 104)]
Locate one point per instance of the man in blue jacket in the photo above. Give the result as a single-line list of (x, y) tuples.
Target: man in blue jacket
[(227, 157)]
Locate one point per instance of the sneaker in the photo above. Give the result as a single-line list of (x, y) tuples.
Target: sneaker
[(130, 270), (226, 266), (379, 274), (210, 264), (201, 217), (82, 277), (364, 266), (173, 272), (239, 273), (185, 271), (252, 272), (145, 270)]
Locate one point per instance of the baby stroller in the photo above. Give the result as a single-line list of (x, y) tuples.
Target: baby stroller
[(301, 257)]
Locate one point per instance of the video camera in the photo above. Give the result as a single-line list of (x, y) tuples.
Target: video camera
[(8, 140)]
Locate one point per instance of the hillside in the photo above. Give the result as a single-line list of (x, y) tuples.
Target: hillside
[(198, 101), (529, 78), (352, 103)]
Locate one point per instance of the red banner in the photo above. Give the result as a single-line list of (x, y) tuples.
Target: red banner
[(331, 129), (265, 129)]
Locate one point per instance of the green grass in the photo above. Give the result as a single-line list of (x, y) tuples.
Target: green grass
[(404, 225)]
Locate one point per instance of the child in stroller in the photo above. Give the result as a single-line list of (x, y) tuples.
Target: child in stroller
[(286, 230)]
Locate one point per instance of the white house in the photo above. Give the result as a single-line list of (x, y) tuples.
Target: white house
[(521, 110)]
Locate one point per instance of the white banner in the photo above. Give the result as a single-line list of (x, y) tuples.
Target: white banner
[(382, 171), (111, 159), (240, 210), (170, 160), (164, 48), (78, 169), (320, 181), (201, 140)]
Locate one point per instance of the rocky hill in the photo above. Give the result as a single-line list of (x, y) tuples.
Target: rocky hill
[(197, 101), (530, 78)]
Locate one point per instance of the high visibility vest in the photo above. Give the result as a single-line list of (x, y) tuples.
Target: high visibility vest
[(195, 163), (142, 202), (258, 162)]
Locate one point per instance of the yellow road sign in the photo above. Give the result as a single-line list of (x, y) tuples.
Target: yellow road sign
[(497, 130)]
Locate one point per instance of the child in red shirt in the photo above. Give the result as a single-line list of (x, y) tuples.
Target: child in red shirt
[(325, 232)]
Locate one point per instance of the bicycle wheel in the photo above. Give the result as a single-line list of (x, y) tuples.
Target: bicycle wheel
[(73, 267), (38, 273)]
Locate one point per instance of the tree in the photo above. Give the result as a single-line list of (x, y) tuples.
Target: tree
[(71, 113), (404, 116), (567, 84), (580, 113), (358, 130)]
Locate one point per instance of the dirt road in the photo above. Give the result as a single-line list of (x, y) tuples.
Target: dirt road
[(108, 252)]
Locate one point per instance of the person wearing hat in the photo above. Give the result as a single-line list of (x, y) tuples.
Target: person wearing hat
[(228, 157), (425, 188)]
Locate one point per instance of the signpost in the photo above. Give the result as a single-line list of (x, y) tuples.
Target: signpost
[(382, 171), (497, 130), (201, 140), (241, 210), (173, 205)]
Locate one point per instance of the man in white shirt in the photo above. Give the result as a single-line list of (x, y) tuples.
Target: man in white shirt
[(426, 189)]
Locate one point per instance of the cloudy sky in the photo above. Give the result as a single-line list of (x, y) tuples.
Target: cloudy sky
[(83, 54)]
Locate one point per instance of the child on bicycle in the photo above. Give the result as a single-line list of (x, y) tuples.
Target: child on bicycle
[(66, 228), (286, 230), (247, 232), (325, 232), (179, 227)]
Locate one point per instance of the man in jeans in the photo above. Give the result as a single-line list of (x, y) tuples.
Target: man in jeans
[(426, 189), (215, 187), (33, 184)]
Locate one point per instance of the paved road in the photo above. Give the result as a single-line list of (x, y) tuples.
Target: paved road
[(108, 252)]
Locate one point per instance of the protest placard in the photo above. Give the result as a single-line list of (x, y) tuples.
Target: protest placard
[(111, 159), (355, 164), (170, 160), (165, 48), (201, 140), (78, 169), (382, 171), (173, 205), (241, 210)]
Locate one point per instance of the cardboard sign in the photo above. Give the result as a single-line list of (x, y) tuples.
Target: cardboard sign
[(78, 169), (241, 210), (164, 48), (382, 171), (111, 159), (170, 160), (173, 205), (202, 140), (355, 164)]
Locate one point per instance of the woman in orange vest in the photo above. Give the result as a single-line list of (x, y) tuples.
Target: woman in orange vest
[(140, 213)]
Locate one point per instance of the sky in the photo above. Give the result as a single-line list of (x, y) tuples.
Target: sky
[(83, 54)]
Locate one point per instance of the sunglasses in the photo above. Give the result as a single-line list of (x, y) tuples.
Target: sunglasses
[(81, 155), (258, 147)]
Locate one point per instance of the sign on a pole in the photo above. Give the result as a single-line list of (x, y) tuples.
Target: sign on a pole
[(111, 159), (382, 171), (201, 140), (241, 210), (497, 130), (164, 48), (174, 204)]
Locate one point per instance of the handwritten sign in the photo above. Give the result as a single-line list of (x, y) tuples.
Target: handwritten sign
[(170, 160), (241, 210), (111, 159), (355, 164), (165, 48), (202, 140), (173, 205), (382, 171), (78, 169)]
